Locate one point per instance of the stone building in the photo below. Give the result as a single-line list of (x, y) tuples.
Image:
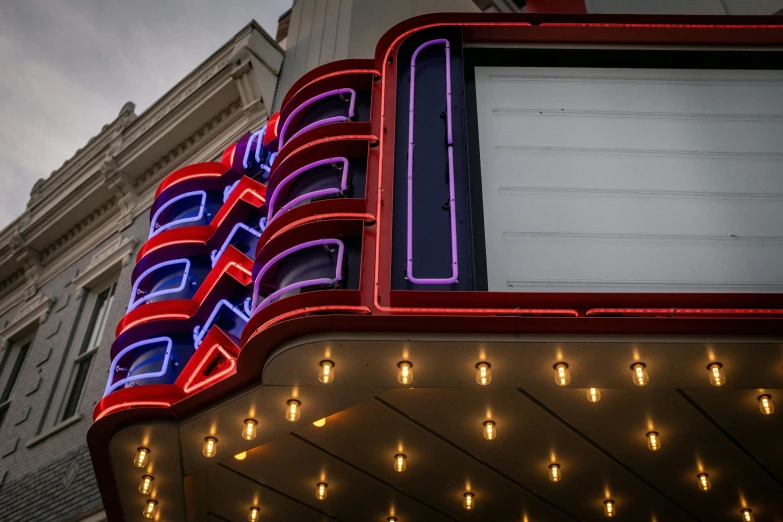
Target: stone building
[(65, 263)]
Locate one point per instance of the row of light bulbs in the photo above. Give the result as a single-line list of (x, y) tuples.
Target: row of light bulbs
[(640, 377)]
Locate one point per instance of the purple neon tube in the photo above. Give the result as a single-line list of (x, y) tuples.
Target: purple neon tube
[(318, 123), (317, 193), (452, 208), (318, 242)]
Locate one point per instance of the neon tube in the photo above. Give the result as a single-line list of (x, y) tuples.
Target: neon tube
[(258, 136), (156, 229), (200, 332), (318, 123), (133, 304), (215, 254), (318, 242), (113, 369), (232, 363), (450, 146), (299, 172), (132, 404)]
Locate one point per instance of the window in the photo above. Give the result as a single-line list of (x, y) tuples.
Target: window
[(10, 367), (98, 305)]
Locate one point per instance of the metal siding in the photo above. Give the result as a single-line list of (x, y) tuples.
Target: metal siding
[(631, 180)]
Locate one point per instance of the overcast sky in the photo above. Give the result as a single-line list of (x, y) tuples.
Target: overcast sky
[(68, 66)]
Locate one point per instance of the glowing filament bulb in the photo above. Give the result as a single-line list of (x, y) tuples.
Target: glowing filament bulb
[(593, 394), (468, 502), (391, 519), (640, 375), (609, 509), (254, 515), (704, 481), (400, 463), (489, 430), (294, 410), (653, 441), (747, 515), (241, 456), (717, 377), (141, 458), (483, 373), (150, 508), (405, 372), (765, 404), (210, 447), (320, 423), (326, 375), (562, 375), (146, 484), (320, 490), (250, 430), (554, 473)]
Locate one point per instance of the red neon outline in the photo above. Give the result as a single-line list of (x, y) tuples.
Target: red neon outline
[(369, 137), (660, 26), (132, 404), (187, 388), (271, 129), (307, 311), (227, 158), (331, 75), (191, 172), (673, 312), (321, 217)]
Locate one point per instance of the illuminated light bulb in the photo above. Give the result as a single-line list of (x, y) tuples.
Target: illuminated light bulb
[(320, 423), (254, 515), (150, 508), (250, 429), (146, 484), (653, 441), (640, 375), (717, 377), (141, 458), (483, 373), (747, 515), (609, 509), (562, 375), (593, 394), (391, 519), (765, 404), (554, 473), (704, 481), (489, 430), (400, 463), (294, 410), (210, 447), (241, 456), (326, 375), (320, 490), (405, 372), (469, 502)]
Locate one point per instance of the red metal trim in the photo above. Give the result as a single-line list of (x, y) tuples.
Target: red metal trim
[(327, 70), (199, 170)]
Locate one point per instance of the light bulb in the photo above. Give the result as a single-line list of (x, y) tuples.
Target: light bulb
[(562, 375), (141, 458), (254, 515), (640, 375), (391, 519), (294, 410), (489, 430), (609, 509), (653, 441), (717, 377), (320, 423), (765, 404), (400, 463), (150, 508), (210, 447), (483, 373), (554, 473), (146, 484), (405, 372), (468, 502), (326, 375), (747, 515), (320, 490), (250, 430), (593, 394), (241, 456), (704, 481)]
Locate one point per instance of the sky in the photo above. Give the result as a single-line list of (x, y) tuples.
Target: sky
[(68, 66)]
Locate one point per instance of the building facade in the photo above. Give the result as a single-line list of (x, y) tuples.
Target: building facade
[(66, 264)]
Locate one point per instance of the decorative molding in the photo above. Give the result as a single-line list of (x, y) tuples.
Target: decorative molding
[(10, 447), (44, 359), (35, 310), (24, 417), (34, 388), (77, 229), (67, 299), (56, 329), (123, 189), (117, 254)]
